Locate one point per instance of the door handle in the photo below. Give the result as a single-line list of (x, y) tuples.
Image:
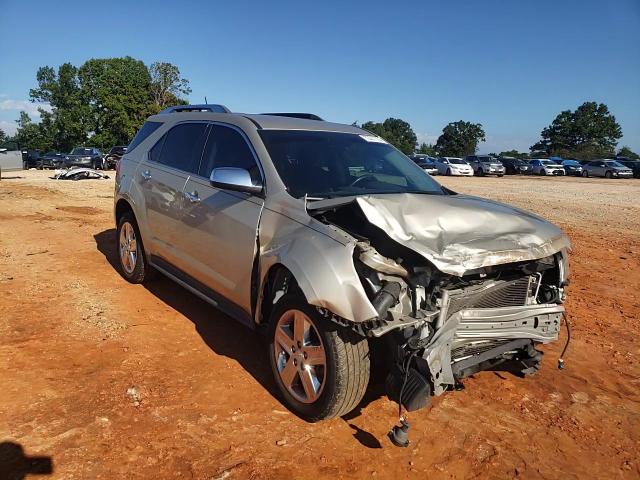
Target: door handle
[(145, 174), (192, 197)]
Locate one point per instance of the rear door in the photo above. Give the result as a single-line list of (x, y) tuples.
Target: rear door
[(220, 226), (162, 178)]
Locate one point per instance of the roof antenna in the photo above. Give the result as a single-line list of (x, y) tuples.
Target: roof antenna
[(205, 100)]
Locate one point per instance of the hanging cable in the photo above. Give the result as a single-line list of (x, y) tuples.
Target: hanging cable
[(566, 345)]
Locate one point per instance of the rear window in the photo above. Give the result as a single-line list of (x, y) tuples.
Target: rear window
[(182, 147), (147, 129)]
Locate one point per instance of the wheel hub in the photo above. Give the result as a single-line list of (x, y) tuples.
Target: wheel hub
[(300, 356), (128, 248)]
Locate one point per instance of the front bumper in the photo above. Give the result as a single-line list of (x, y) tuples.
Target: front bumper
[(554, 171), (462, 173), (493, 170), (623, 174), (77, 162), (493, 326)]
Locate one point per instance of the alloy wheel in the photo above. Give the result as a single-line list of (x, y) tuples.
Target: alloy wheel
[(128, 248), (300, 356)]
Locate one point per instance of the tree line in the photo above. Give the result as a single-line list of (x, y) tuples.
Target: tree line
[(589, 132), (105, 101), (102, 103)]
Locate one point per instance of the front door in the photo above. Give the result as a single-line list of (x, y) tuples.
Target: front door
[(220, 226)]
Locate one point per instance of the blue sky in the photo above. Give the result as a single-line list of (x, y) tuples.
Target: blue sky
[(511, 66)]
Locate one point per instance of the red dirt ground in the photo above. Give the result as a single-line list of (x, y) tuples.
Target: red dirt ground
[(76, 338)]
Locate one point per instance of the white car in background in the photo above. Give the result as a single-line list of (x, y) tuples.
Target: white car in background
[(453, 166)]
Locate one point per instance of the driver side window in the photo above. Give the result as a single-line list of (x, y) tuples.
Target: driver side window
[(226, 147)]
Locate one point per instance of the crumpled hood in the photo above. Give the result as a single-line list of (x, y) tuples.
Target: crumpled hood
[(458, 233)]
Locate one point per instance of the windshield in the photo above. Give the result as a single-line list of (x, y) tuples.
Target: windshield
[(118, 150), (485, 159), (615, 164), (82, 151), (457, 161), (547, 162), (570, 162), (331, 164)]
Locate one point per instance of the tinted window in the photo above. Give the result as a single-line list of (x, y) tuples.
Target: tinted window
[(226, 147), (147, 129), (182, 147), (330, 164), (156, 150)]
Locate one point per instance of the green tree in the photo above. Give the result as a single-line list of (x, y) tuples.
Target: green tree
[(67, 123), (427, 149), (395, 131), (588, 132), (30, 135), (117, 93), (627, 152), (459, 139), (167, 86), (3, 136), (514, 154)]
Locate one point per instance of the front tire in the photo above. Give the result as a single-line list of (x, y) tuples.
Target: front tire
[(321, 369), (448, 173), (585, 174), (133, 263), (608, 174)]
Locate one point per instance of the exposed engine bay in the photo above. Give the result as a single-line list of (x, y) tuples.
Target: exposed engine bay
[(445, 321)]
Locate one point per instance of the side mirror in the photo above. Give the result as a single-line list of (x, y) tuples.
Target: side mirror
[(232, 178)]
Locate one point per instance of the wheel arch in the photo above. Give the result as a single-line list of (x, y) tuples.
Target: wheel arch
[(322, 269), (122, 207)]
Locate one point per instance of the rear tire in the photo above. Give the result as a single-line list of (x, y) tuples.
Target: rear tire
[(334, 382), (132, 260)]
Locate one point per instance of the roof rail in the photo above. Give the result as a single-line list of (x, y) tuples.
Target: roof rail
[(306, 116), (205, 107)]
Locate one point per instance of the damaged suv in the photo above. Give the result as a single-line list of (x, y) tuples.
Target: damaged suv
[(332, 242)]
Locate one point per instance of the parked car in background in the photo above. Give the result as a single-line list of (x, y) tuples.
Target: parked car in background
[(114, 155), (485, 165), (425, 162), (541, 166), (514, 166), (30, 159), (634, 165), (571, 167), (84, 157), (51, 160), (606, 168), (453, 166)]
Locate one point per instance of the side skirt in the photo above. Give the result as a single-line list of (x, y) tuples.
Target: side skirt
[(202, 291)]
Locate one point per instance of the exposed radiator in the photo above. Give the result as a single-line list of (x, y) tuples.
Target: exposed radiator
[(511, 293)]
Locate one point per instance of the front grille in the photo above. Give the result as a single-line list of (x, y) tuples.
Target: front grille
[(512, 293)]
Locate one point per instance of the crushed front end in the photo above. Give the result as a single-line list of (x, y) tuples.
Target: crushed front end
[(440, 325)]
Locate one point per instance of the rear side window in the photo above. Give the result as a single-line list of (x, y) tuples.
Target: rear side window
[(147, 129), (182, 147), (226, 147)]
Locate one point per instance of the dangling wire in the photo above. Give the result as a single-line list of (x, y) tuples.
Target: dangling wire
[(566, 345), (404, 383)]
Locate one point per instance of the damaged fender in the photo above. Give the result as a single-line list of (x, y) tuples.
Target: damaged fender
[(321, 264)]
